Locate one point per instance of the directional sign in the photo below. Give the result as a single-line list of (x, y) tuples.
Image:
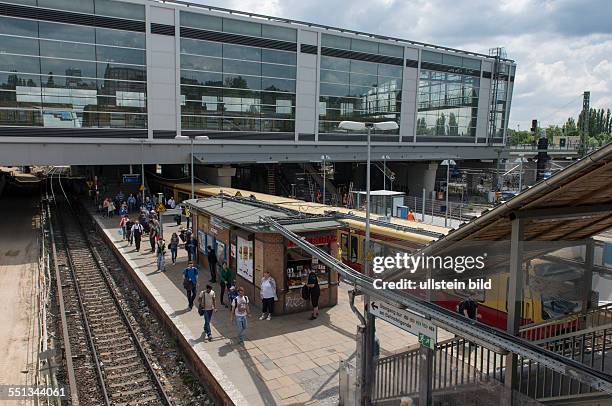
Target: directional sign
[(410, 322)]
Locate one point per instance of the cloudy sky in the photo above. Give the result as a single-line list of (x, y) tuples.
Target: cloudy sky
[(561, 47)]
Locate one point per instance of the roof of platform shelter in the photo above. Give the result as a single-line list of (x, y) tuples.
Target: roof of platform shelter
[(246, 214)]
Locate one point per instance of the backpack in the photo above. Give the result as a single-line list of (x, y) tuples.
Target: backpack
[(305, 292), (235, 302)]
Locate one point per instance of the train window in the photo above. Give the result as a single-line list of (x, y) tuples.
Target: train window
[(344, 245), (354, 249), (378, 250)]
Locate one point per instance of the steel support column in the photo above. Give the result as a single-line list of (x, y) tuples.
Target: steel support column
[(515, 301), (587, 277)]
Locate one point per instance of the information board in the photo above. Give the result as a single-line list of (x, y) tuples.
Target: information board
[(410, 322)]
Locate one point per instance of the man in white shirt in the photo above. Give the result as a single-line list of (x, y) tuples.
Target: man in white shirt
[(208, 304), (240, 312)]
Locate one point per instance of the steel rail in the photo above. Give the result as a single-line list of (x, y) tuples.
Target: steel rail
[(134, 338), (79, 297), (380, 223), (451, 321), (74, 396)]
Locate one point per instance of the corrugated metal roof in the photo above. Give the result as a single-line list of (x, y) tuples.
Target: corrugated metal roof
[(246, 215)]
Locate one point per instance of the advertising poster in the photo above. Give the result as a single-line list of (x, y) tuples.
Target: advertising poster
[(244, 262), (201, 241), (220, 252)]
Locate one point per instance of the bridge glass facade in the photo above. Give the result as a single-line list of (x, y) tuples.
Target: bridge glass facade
[(69, 75), (166, 69)]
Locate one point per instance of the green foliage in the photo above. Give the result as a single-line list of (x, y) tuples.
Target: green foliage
[(520, 137)]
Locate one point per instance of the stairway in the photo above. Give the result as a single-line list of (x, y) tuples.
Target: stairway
[(271, 179), (315, 174), (388, 173)]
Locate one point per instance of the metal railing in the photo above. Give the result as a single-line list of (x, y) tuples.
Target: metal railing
[(592, 318), (456, 362)]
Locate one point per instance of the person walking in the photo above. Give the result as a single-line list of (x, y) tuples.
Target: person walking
[(187, 214), (131, 201), (190, 247), (122, 225), (174, 243), (468, 308), (190, 282), (240, 312), (207, 303), (315, 293), (137, 231), (161, 254), (268, 295), (128, 231), (153, 233), (110, 209), (212, 264), (105, 207), (226, 280)]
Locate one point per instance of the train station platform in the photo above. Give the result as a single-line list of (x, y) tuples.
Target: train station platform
[(287, 360)]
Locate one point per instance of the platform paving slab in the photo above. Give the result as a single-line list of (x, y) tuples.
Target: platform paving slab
[(287, 360)]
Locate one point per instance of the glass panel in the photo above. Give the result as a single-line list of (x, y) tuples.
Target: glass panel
[(278, 71), (62, 67), (15, 63), (328, 62), (452, 60), (334, 41), (120, 9), (390, 70), (197, 47), (271, 98), (120, 38), (334, 90), (121, 72), (201, 78), (278, 85), (364, 67), (81, 6), (121, 55), (201, 63), (273, 56), (428, 56), (15, 45), (201, 123), (282, 33), (364, 46), (198, 93), (21, 118), (241, 27), (23, 97), (241, 52), (56, 49), (277, 126), (241, 82), (111, 87), (203, 21), (391, 50), (334, 76), (12, 81), (70, 82), (67, 32), (241, 124), (245, 68), (15, 26), (363, 80), (471, 63)]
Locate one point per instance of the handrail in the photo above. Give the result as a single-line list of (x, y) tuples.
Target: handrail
[(565, 319), (452, 322)]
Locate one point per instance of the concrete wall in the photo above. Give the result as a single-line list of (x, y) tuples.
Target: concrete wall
[(416, 176)]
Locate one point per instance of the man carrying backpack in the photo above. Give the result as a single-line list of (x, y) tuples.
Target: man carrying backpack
[(240, 312), (190, 282), (137, 230), (207, 304)]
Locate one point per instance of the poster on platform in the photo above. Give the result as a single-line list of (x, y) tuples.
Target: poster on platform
[(244, 262)]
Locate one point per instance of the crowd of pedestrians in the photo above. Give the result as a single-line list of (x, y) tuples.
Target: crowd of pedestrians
[(139, 219)]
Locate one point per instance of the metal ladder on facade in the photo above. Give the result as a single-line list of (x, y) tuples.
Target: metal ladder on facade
[(272, 179)]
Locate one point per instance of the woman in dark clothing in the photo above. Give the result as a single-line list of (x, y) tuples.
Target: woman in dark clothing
[(315, 292)]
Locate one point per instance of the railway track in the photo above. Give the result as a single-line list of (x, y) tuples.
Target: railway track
[(109, 364)]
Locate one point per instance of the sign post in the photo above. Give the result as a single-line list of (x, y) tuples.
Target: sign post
[(419, 326)]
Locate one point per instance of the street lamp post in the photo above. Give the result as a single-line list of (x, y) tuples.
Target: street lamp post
[(370, 326), (448, 163), (191, 139), (384, 158), (142, 172), (324, 158)]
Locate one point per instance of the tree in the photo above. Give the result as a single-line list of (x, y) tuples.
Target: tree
[(520, 137)]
